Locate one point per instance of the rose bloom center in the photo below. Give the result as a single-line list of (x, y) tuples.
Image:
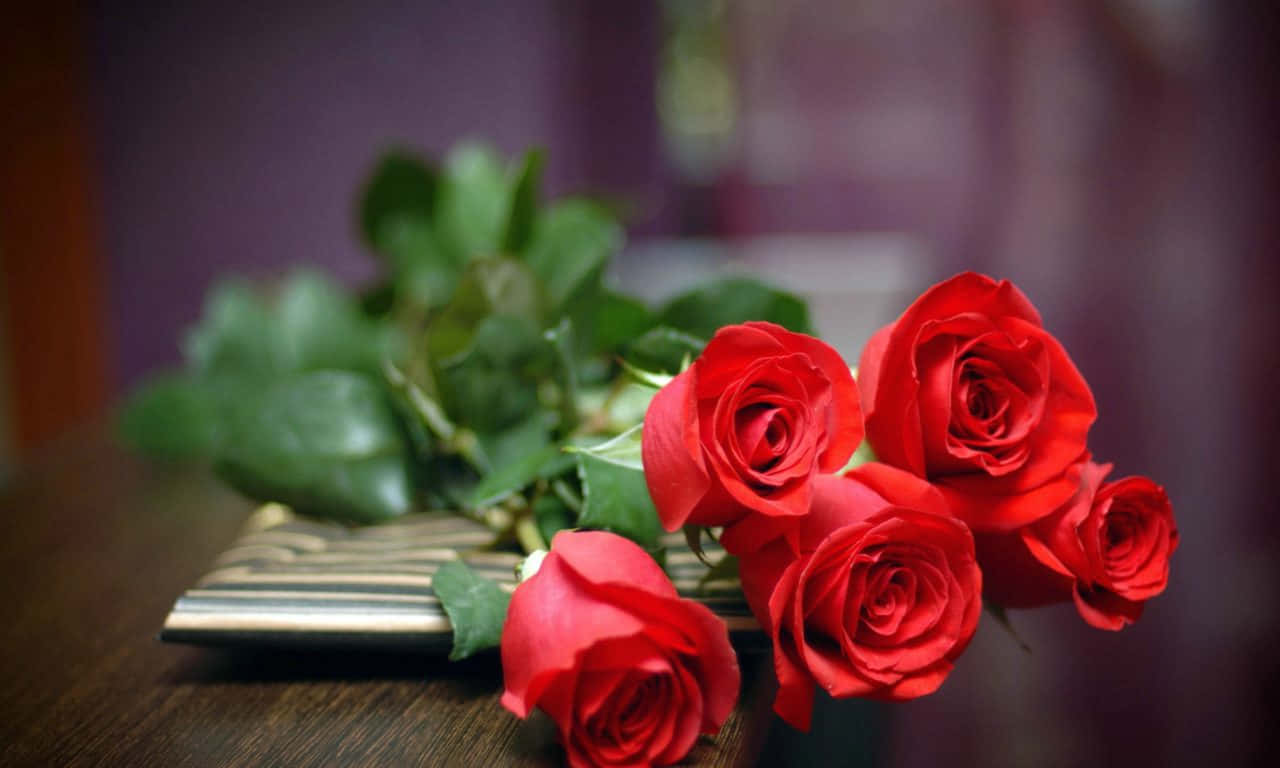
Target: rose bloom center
[(763, 431)]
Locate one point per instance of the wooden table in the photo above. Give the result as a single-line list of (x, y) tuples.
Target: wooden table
[(99, 543)]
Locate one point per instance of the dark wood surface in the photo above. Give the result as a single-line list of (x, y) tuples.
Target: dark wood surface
[(98, 545)]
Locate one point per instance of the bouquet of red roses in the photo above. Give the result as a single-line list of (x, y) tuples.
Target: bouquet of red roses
[(867, 513)]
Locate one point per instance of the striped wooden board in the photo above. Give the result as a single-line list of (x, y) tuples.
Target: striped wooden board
[(293, 581)]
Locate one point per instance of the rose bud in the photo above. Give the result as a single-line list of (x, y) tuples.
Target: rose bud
[(968, 390), (737, 439), (1107, 549), (630, 672), (884, 597)]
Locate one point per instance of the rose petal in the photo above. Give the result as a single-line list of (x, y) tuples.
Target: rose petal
[(1106, 610), (900, 488), (919, 684), (839, 501), (844, 429), (731, 350), (606, 558), (794, 699), (893, 420), (982, 400), (550, 622), (869, 367), (972, 499), (759, 572), (753, 532), (682, 720), (1056, 540), (733, 346), (671, 450), (1145, 571)]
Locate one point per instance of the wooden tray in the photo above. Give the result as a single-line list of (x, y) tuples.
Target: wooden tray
[(293, 581)]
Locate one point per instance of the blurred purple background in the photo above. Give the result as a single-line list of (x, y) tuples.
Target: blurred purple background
[(1115, 159)]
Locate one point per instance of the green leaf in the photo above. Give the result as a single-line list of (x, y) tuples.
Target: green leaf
[(476, 606), (526, 436), (236, 335), (630, 405), (524, 203), (734, 300), (474, 201), (313, 325), (321, 328), (619, 319), (377, 299), (519, 455), (172, 416), (572, 242), (493, 382), (615, 408), (426, 270), (614, 494), (325, 443), (487, 287), (664, 349), (445, 482), (552, 515), (486, 350), (623, 450), (511, 477), (401, 186)]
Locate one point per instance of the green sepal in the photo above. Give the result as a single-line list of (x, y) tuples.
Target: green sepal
[(724, 569), (647, 378), (693, 538), (1001, 616), (863, 455)]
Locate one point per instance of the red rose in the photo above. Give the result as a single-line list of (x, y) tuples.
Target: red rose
[(1107, 549), (968, 390), (629, 671), (737, 439), (884, 597)]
